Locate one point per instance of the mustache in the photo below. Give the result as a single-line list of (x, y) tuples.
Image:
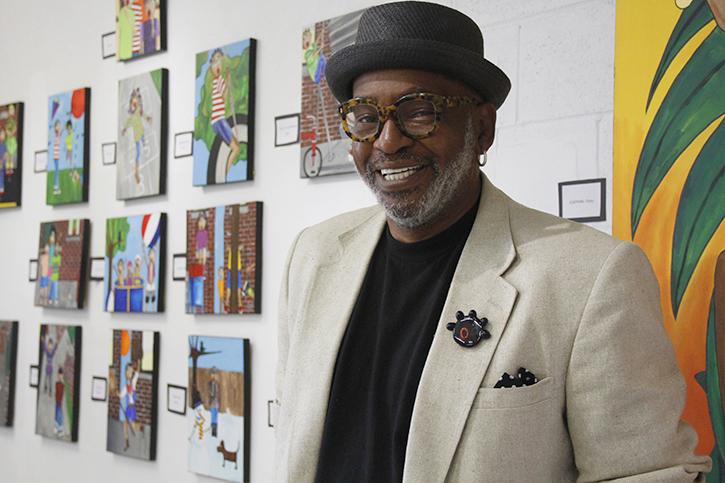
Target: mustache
[(379, 159)]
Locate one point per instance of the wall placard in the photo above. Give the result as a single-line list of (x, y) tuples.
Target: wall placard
[(176, 399), (583, 200)]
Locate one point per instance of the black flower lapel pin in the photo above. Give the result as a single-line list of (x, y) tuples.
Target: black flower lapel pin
[(469, 330)]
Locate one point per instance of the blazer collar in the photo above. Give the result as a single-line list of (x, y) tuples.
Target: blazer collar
[(451, 375)]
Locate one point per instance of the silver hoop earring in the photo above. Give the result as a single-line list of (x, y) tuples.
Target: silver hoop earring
[(483, 159)]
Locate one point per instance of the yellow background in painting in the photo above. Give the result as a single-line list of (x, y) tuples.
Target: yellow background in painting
[(643, 28)]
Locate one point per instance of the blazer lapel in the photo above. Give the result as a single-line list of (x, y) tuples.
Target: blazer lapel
[(452, 374), (333, 296)]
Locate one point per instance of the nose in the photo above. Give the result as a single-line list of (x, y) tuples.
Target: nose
[(392, 139)]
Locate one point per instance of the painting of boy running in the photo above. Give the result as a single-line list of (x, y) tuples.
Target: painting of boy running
[(142, 135), (140, 28), (62, 255), (68, 147), (224, 114), (11, 153)]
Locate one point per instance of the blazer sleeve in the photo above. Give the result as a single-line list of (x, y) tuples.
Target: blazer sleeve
[(283, 329), (625, 394)]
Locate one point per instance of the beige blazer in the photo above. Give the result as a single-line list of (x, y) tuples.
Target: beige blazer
[(577, 308)]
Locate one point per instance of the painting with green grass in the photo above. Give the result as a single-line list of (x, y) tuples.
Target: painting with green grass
[(68, 147)]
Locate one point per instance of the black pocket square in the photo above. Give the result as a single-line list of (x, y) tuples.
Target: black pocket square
[(522, 378)]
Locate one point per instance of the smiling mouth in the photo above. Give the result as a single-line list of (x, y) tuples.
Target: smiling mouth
[(399, 174)]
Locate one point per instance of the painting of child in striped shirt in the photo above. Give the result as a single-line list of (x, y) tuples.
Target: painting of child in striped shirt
[(224, 114), (68, 127), (139, 28)]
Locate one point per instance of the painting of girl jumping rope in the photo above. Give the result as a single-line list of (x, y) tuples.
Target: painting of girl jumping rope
[(68, 147), (132, 395), (11, 154), (218, 401), (142, 135), (324, 147), (134, 261), (140, 28), (59, 382), (224, 114), (62, 255), (223, 253)]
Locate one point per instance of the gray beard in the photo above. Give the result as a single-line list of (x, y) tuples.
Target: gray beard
[(442, 191)]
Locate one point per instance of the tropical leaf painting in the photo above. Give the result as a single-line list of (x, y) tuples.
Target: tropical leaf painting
[(669, 179)]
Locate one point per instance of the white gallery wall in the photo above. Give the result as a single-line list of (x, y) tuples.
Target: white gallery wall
[(555, 126)]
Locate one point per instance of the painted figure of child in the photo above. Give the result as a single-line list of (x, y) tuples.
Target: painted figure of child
[(150, 288), (49, 349), (54, 255), (135, 121), (69, 151), (127, 397), (220, 95), (56, 158), (214, 400), (202, 240), (220, 288), (43, 275), (11, 140), (3, 159), (59, 391)]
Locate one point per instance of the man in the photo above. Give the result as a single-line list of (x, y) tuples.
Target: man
[(455, 335)]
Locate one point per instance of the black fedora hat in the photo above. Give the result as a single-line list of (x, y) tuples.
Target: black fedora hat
[(417, 35)]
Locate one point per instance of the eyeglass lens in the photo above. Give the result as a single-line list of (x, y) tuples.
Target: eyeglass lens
[(416, 117)]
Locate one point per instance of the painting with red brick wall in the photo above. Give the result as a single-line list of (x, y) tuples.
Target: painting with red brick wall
[(324, 146), (223, 259), (59, 366), (8, 357), (62, 255), (132, 394)]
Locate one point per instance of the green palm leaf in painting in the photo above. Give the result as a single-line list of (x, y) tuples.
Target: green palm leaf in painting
[(692, 19), (700, 212), (710, 382), (693, 102)]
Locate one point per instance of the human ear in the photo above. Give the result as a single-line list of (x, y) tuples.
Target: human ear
[(486, 116)]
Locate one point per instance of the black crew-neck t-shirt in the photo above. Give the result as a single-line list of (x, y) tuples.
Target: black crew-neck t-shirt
[(382, 355)]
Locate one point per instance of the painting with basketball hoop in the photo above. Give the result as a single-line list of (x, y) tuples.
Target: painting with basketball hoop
[(324, 147), (224, 114)]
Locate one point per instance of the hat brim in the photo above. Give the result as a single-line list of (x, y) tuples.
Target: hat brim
[(468, 67)]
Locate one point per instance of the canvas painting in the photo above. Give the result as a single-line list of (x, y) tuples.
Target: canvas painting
[(68, 147), (140, 28), (59, 382), (11, 154), (141, 149), (223, 259), (8, 358), (132, 394), (134, 263), (669, 183), (224, 114), (218, 414), (324, 146), (62, 264)]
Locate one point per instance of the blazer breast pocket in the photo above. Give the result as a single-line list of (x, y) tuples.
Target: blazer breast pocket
[(514, 397)]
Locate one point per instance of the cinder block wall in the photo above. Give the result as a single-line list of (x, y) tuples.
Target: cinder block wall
[(555, 126)]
